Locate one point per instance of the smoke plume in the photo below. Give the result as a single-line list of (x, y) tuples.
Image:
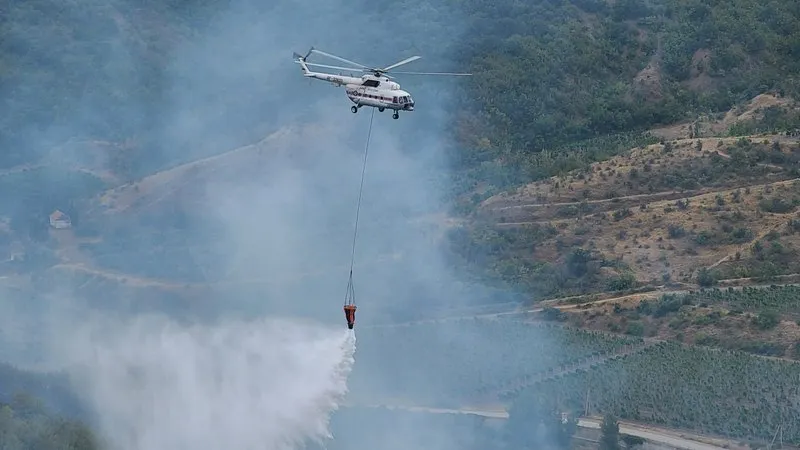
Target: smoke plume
[(251, 385)]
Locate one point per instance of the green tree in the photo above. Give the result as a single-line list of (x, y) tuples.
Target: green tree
[(706, 277), (533, 424), (609, 439), (26, 424), (767, 319)]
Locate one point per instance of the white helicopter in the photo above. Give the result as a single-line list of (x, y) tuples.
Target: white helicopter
[(373, 89)]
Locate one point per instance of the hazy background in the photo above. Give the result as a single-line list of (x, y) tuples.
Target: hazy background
[(151, 377), (211, 187)]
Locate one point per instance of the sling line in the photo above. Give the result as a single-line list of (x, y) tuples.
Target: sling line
[(350, 295)]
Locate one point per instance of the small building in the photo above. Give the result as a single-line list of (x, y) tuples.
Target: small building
[(60, 220)]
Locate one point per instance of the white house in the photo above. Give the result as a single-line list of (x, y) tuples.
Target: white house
[(59, 220)]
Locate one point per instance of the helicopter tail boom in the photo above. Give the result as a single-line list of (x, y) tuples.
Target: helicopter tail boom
[(337, 80), (300, 59)]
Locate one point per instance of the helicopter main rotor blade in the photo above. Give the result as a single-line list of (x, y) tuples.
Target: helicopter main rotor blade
[(333, 67), (398, 64), (433, 73), (340, 59)]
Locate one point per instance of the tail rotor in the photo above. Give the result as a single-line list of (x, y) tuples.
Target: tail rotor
[(300, 57)]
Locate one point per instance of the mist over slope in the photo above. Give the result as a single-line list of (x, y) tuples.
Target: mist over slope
[(225, 79), (208, 79), (283, 209), (178, 80)]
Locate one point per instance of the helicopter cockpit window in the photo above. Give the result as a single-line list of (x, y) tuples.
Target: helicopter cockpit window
[(371, 83)]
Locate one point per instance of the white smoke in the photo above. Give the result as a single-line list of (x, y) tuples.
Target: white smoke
[(268, 384)]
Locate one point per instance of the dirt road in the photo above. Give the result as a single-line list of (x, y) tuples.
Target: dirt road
[(676, 439), (663, 436)]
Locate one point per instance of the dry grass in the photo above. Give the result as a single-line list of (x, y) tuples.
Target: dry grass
[(630, 208), (612, 180), (716, 126), (694, 324), (181, 183), (643, 240)]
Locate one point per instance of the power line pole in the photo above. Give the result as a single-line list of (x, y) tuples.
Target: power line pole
[(586, 406)]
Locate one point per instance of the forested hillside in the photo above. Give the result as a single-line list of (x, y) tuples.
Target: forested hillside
[(25, 424), (39, 411), (563, 85), (551, 75), (547, 74), (87, 71)]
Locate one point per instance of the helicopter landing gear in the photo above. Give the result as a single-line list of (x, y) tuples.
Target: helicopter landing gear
[(353, 109), (381, 109), (396, 115)]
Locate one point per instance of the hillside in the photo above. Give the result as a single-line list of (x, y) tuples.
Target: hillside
[(718, 206), (710, 205), (553, 74), (607, 161), (728, 394), (596, 205), (612, 70), (38, 410), (762, 320)]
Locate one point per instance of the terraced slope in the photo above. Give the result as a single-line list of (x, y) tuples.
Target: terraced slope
[(719, 392)]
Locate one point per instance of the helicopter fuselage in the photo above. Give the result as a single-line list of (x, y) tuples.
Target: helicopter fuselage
[(389, 97), (368, 90)]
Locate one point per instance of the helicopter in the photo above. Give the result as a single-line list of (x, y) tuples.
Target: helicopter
[(374, 88)]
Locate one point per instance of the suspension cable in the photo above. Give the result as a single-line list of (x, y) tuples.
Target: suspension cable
[(350, 295)]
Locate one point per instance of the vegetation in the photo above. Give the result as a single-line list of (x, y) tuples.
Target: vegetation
[(609, 438), (572, 102), (629, 222), (483, 357), (557, 86), (38, 411), (784, 300), (671, 62), (601, 68), (25, 424), (533, 424), (40, 191), (68, 47), (722, 392), (760, 320), (509, 256), (773, 120), (49, 391)]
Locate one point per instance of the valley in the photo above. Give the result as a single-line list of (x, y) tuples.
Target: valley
[(602, 222), (708, 265)]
